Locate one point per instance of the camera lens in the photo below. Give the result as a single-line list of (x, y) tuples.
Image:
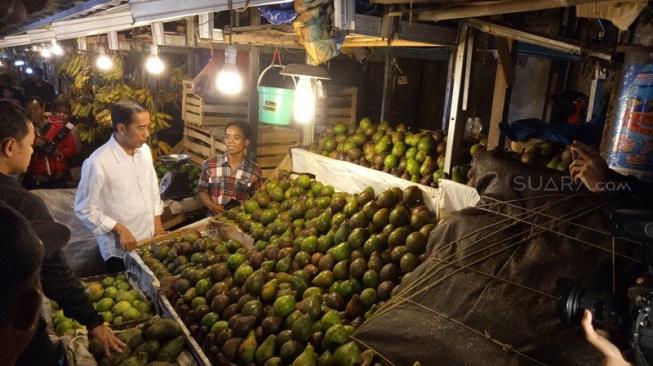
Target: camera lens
[(574, 299)]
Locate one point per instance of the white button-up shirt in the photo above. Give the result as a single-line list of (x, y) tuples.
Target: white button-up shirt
[(118, 188)]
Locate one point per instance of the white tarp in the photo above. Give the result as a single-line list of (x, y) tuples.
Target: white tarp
[(353, 178)]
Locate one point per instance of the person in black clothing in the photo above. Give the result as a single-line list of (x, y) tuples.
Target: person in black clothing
[(58, 281), (21, 255), (36, 86)]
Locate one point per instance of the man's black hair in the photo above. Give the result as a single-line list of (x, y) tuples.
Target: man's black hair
[(244, 128), (124, 112), (21, 255), (13, 122)]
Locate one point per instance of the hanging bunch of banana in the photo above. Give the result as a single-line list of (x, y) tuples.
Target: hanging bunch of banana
[(159, 121), (110, 94), (144, 97), (76, 67), (80, 110), (90, 132), (159, 147), (115, 73), (103, 118)]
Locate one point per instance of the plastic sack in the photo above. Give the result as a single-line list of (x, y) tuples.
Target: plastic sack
[(280, 14)]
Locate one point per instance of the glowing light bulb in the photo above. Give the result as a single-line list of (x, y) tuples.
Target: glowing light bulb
[(56, 49), (304, 106), (229, 80), (103, 62), (29, 71), (46, 53), (154, 65), (19, 63)]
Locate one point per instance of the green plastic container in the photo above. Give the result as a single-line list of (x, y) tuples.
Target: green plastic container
[(275, 105)]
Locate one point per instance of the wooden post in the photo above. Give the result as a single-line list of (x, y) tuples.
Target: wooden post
[(455, 126), (505, 76), (254, 70)]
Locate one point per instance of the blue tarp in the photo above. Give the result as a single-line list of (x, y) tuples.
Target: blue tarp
[(279, 14)]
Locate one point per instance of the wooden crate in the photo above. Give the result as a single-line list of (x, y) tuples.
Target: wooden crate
[(200, 144), (198, 112), (340, 106)]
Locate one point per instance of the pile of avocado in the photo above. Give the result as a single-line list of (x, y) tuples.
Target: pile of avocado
[(323, 262), (193, 171), (158, 342), (116, 301), (417, 156)]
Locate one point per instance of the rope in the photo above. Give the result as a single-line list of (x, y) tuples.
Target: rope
[(434, 270)]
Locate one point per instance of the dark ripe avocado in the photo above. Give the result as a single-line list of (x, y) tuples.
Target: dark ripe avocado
[(408, 262), (416, 242), (358, 253), (354, 307), (398, 237), (411, 196), (385, 290), (375, 262), (311, 270), (326, 263), (364, 197), (419, 219), (380, 218), (426, 229), (242, 325), (354, 153), (398, 252), (338, 203), (386, 199), (369, 209), (271, 325), (335, 301), (389, 272), (230, 311), (357, 268), (340, 270), (378, 160), (219, 303), (358, 220), (253, 308), (399, 216), (230, 348)]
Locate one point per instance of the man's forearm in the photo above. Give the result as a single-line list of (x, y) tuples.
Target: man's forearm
[(206, 200)]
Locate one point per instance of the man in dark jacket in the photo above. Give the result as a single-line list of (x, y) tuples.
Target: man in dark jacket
[(58, 281)]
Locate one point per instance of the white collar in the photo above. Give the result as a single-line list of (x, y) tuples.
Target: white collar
[(119, 152)]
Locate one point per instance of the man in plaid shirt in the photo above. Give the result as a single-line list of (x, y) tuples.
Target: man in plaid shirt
[(229, 178)]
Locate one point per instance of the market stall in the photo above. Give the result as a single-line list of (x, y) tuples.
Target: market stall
[(419, 199)]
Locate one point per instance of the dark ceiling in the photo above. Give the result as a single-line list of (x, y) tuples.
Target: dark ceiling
[(35, 11)]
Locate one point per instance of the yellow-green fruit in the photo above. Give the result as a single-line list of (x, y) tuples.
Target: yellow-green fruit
[(94, 291), (121, 307), (105, 304)]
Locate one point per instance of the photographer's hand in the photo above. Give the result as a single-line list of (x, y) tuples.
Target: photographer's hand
[(611, 354)]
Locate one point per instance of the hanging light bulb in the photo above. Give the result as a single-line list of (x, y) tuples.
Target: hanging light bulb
[(103, 62), (29, 70), (56, 48), (46, 53), (229, 80), (19, 63), (153, 64), (304, 106)]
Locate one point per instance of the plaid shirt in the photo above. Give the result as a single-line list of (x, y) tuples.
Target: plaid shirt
[(222, 185)]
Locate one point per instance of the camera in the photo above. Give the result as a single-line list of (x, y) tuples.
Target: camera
[(631, 314)]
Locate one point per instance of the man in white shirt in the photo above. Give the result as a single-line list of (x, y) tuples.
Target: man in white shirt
[(118, 195)]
